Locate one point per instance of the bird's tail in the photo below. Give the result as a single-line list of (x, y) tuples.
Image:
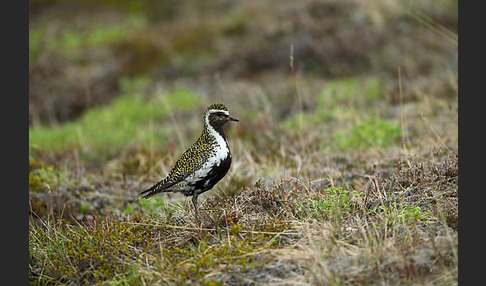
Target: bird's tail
[(157, 188)]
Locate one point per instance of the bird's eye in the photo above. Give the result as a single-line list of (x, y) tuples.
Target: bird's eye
[(219, 113)]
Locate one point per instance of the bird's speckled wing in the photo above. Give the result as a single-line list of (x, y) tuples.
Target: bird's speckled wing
[(190, 161)]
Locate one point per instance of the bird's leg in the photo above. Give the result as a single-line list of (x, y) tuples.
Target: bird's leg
[(194, 202)]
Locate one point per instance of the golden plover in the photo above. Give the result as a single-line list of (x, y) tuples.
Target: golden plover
[(202, 165)]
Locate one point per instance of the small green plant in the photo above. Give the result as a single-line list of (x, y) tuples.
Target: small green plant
[(414, 213), (132, 277), (333, 201), (400, 213), (44, 179)]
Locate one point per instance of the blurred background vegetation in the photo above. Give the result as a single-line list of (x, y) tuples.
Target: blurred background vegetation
[(81, 51), (295, 63)]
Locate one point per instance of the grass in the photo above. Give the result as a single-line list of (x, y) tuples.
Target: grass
[(105, 130), (341, 100), (373, 132), (335, 235)]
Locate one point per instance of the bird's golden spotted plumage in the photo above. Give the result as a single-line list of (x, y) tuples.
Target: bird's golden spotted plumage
[(202, 165)]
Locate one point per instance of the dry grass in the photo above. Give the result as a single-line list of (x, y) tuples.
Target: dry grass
[(386, 230)]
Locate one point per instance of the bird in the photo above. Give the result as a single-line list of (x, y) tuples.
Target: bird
[(204, 164)]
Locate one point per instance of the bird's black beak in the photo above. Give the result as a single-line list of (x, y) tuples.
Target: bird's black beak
[(233, 119)]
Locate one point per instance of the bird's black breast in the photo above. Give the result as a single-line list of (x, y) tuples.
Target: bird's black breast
[(213, 176)]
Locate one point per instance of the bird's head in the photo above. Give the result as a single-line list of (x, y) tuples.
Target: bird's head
[(217, 115)]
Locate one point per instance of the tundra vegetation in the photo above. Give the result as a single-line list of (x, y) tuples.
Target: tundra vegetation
[(345, 159)]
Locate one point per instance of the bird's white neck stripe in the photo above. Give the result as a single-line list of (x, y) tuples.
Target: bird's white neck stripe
[(218, 110)]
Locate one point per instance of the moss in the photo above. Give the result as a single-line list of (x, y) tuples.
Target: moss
[(44, 177), (193, 263), (89, 253)]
